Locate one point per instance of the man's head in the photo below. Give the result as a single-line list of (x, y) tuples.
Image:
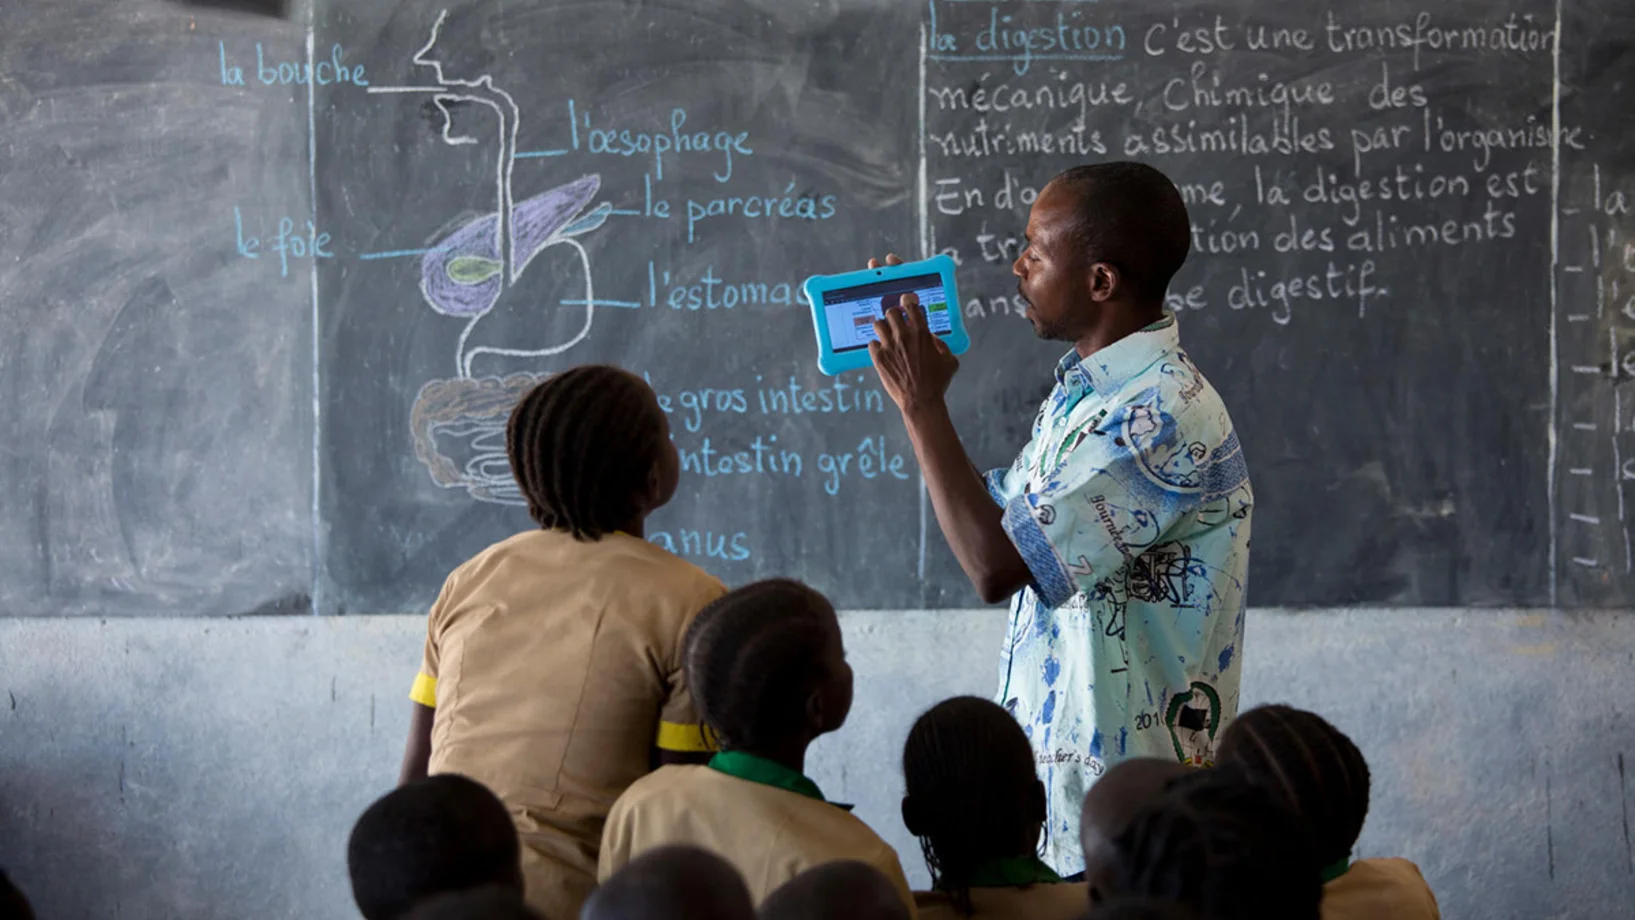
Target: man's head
[(1111, 805), (1224, 846), (1101, 238), (440, 834), (590, 450), (1316, 768), (845, 890), (672, 883), (972, 793), (767, 667), (491, 902)]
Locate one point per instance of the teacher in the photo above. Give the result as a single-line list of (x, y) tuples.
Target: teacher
[(1121, 532)]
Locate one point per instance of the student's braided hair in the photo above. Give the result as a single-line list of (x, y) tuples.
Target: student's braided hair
[(754, 657), (972, 791), (582, 446), (1223, 845), (1310, 763)]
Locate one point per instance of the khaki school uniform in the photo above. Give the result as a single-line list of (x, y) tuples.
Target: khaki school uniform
[(1023, 888), (771, 826), (555, 667), (1380, 888)]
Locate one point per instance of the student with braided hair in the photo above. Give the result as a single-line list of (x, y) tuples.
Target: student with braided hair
[(978, 807), (1218, 843), (553, 666), (767, 667), (1323, 776)]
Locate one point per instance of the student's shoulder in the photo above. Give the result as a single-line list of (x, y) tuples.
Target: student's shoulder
[(1380, 881), (665, 781)]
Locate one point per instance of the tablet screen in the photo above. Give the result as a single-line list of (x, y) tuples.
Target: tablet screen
[(851, 312)]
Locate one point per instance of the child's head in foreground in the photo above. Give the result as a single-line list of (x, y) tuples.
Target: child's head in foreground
[(844, 890), (441, 834), (1312, 764), (972, 793), (766, 665), (1223, 846), (590, 450), (672, 883)]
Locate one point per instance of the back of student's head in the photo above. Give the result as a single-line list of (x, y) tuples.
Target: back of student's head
[(1224, 846), (590, 451), (672, 883), (845, 890), (1137, 908), (766, 663), (1312, 764), (1132, 216), (972, 793), (440, 834), (1111, 805), (13, 906), (490, 902)]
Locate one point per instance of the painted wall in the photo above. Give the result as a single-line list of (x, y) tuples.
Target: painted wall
[(208, 768)]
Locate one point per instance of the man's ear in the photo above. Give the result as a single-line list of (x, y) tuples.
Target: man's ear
[(817, 713), (1104, 281), (914, 816)]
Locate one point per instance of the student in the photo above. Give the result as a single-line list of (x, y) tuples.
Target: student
[(446, 833), (552, 667), (1140, 909), (1111, 805), (672, 883), (1223, 846), (768, 669), (978, 807), (488, 903), (1325, 779), (844, 890), (13, 906)]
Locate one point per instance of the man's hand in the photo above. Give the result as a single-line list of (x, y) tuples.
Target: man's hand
[(915, 366)]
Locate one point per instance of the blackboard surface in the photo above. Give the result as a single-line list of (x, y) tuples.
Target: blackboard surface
[(266, 332)]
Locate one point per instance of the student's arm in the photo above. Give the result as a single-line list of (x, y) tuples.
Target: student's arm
[(417, 752), (915, 369)]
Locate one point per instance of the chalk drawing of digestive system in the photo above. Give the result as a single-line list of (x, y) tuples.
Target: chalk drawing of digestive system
[(459, 422)]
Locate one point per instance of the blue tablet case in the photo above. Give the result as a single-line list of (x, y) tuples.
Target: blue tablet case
[(849, 295)]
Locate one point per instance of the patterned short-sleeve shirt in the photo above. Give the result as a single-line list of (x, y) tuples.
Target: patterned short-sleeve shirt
[(1131, 506)]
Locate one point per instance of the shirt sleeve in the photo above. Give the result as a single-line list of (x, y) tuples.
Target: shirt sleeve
[(1116, 492), (1008, 482), (681, 729), (424, 690)]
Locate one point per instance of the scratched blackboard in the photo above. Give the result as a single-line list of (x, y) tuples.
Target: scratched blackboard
[(157, 383), (272, 287)]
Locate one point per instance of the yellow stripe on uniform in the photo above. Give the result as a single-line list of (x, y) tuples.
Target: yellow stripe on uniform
[(424, 691), (687, 739)]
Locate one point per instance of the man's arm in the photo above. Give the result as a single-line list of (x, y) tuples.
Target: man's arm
[(417, 751), (966, 512), (915, 368)]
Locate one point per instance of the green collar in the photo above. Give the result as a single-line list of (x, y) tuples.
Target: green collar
[(768, 773), (1015, 872), (1336, 869)]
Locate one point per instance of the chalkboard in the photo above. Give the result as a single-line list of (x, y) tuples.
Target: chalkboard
[(370, 230), (157, 384)]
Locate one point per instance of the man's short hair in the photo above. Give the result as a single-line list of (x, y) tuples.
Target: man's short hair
[(1131, 216)]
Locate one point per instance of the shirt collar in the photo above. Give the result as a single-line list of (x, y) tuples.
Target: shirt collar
[(1110, 368), (757, 769), (1015, 872)]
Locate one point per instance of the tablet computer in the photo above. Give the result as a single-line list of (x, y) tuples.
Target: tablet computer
[(844, 308)]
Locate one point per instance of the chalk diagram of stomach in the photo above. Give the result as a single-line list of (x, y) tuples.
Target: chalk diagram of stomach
[(458, 423)]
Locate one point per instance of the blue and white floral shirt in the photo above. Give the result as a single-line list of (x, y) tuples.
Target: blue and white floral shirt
[(1131, 507)]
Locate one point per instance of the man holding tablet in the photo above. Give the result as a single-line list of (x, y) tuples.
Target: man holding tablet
[(1121, 532)]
